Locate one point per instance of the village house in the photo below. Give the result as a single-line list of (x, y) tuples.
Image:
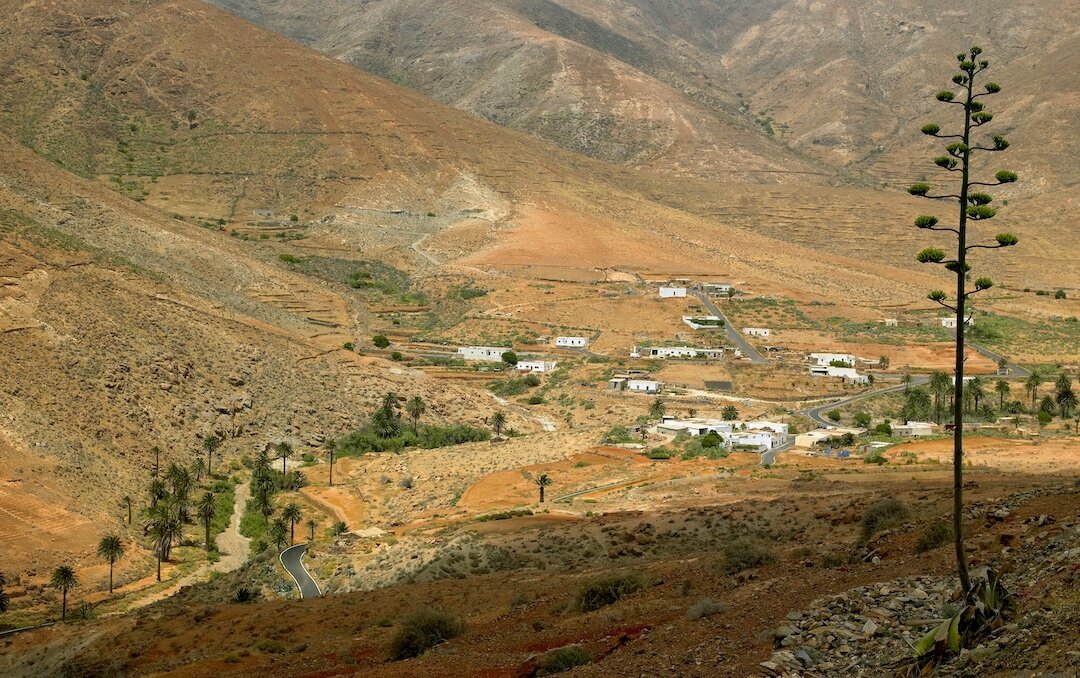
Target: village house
[(891, 322), (535, 365), (949, 322), (717, 289), (676, 352), (571, 342), (913, 429), (762, 435), (490, 354), (635, 385), (826, 359), (756, 331), (811, 438), (703, 322), (849, 374), (672, 292)]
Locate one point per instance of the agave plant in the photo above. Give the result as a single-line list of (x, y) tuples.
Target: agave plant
[(984, 609)]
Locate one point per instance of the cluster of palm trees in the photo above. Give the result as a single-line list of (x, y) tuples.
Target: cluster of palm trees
[(937, 397), (264, 485), (171, 506), (1064, 401)]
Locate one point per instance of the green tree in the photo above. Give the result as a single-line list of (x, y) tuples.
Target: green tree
[(64, 578), (510, 358), (917, 404), (198, 467), (380, 341), (207, 509), (111, 549), (977, 390), (1048, 405), (1003, 389), (311, 525), (1032, 385), (883, 362), (905, 379), (861, 419), (1066, 401), (542, 481), (294, 515), (386, 422), (284, 449), (973, 205), (279, 533), (730, 413), (833, 415), (263, 502), (1060, 294), (940, 385), (127, 502), (658, 408), (210, 443), (331, 449), (415, 408), (498, 421)]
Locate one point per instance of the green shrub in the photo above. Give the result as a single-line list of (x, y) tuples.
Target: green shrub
[(348, 346), (536, 400), (875, 457), (861, 419), (531, 380), (833, 415), (290, 259), (396, 356), (744, 553), (884, 515), (617, 434), (936, 535), (339, 528), (270, 646), (422, 630), (245, 595), (380, 341), (1060, 294), (711, 439), (606, 591), (561, 659), (883, 428), (660, 453)]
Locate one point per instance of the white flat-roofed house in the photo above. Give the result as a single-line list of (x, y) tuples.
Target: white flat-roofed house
[(756, 331), (849, 374), (774, 426), (571, 342), (949, 322), (672, 292), (677, 352), (536, 365), (717, 289), (913, 429), (826, 359), (644, 385), (491, 354)]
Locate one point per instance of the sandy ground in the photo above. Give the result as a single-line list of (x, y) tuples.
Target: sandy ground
[(1054, 456)]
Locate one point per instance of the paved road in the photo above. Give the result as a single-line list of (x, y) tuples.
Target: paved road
[(817, 413), (768, 458), (732, 333), (1017, 371), (292, 561)]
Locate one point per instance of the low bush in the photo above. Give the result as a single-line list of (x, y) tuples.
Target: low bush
[(617, 434), (875, 457), (607, 590), (245, 595), (660, 453), (706, 607), (936, 535), (744, 553), (884, 515), (536, 400), (561, 659), (422, 630)]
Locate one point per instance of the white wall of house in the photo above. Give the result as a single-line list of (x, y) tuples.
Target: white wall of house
[(536, 365), (757, 331), (823, 359), (491, 354), (672, 292), (572, 342), (679, 352), (643, 385)]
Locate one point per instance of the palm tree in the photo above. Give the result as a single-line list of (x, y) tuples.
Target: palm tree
[(264, 504), (198, 467), (5, 601), (284, 449), (279, 532), (64, 578), (164, 526), (905, 379), (939, 386), (293, 514), (657, 409), (542, 481), (207, 509), (157, 491), (157, 460), (111, 549), (498, 421), (331, 448), (211, 443), (1066, 400), (126, 501), (415, 408), (976, 389), (1063, 383), (182, 484), (916, 403), (1048, 405), (1032, 384), (1002, 387), (311, 525)]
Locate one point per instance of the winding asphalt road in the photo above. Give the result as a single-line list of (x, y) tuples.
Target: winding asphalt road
[(732, 333), (292, 561)]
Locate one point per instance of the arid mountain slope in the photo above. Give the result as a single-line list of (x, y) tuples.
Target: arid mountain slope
[(846, 82)]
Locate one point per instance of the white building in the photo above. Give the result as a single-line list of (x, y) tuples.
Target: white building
[(672, 292), (891, 322), (811, 438), (491, 354), (676, 352), (913, 429), (571, 342), (717, 289), (848, 374), (644, 385), (762, 435), (536, 365), (756, 331), (826, 359), (949, 322)]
